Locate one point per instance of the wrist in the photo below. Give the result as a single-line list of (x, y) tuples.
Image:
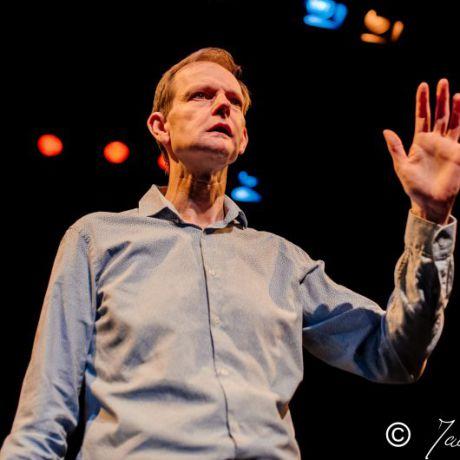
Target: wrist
[(438, 216)]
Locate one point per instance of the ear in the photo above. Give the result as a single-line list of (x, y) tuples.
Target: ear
[(244, 141), (156, 125)]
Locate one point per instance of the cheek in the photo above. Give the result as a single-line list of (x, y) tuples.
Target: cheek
[(240, 136), (188, 124), (179, 128)]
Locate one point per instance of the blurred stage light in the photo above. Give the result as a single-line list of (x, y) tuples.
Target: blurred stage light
[(116, 152), (49, 145), (245, 192), (161, 162), (247, 180), (326, 14), (378, 26), (398, 27)]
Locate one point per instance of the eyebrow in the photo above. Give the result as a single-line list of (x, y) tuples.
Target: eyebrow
[(206, 87)]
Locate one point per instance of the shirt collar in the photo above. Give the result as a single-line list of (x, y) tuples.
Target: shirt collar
[(154, 203)]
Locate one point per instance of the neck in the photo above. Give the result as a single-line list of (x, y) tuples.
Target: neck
[(199, 199)]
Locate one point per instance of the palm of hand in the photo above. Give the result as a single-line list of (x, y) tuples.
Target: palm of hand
[(432, 168), (430, 173)]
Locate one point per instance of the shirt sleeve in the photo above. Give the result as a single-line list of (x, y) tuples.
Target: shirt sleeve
[(48, 404), (353, 333)]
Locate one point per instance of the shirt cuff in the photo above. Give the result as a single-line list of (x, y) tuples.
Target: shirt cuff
[(433, 240)]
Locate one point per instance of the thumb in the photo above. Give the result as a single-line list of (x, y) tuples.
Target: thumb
[(395, 145)]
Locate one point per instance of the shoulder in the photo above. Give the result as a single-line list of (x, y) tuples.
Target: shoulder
[(93, 233), (94, 223)]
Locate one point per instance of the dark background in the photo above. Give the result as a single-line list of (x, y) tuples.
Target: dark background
[(320, 102)]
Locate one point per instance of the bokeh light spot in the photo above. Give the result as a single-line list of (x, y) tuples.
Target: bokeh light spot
[(161, 162), (116, 152), (49, 145)]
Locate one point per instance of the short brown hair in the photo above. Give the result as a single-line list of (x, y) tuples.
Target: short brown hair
[(164, 93)]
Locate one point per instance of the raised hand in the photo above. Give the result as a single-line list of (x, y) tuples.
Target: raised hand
[(430, 173)]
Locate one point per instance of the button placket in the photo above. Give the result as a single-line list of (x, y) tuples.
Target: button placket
[(213, 299), (215, 320)]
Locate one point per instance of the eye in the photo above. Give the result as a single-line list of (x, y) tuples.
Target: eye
[(199, 95), (237, 102)]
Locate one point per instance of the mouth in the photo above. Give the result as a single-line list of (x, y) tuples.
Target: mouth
[(222, 128)]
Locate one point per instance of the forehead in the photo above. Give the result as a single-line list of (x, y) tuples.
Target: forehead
[(205, 73)]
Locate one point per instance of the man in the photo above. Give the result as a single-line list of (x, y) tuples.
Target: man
[(187, 326)]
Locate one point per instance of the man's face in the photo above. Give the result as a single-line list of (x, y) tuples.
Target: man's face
[(206, 125)]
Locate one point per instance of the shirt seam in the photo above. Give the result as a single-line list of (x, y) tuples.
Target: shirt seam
[(90, 248)]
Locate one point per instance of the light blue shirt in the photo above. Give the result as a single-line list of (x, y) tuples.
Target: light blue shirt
[(190, 340)]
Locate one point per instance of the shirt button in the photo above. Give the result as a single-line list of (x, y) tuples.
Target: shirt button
[(216, 321), (223, 371), (212, 272)]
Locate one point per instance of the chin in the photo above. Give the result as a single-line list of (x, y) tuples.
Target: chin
[(219, 149), (212, 153)]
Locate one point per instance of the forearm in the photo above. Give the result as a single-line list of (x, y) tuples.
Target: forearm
[(423, 282)]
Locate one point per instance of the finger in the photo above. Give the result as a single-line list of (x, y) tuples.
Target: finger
[(442, 107), (454, 126), (395, 146), (422, 109)]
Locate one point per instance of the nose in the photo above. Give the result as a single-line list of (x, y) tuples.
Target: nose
[(221, 105)]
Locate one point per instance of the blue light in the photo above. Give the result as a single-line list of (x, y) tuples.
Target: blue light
[(326, 14), (246, 179), (245, 194), (321, 8)]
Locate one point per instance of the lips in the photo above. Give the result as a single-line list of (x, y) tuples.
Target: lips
[(221, 128)]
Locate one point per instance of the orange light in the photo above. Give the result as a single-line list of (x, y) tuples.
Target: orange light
[(397, 30), (379, 26), (161, 162), (49, 145), (116, 152), (371, 38), (375, 23)]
